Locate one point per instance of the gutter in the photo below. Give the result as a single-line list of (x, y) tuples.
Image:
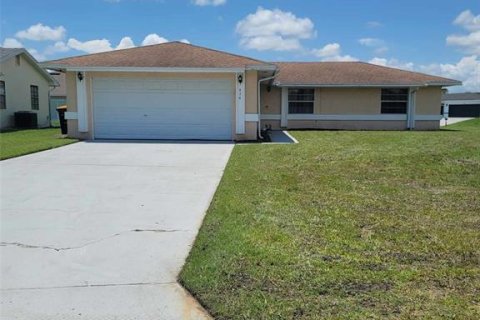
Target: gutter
[(259, 107), (311, 85)]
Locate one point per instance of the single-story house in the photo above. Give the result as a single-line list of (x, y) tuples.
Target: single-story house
[(24, 86), (463, 105), (58, 96), (182, 91)]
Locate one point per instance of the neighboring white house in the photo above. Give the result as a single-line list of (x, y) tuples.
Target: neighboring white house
[(24, 86)]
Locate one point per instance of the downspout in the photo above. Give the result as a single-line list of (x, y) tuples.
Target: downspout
[(411, 108), (259, 107)]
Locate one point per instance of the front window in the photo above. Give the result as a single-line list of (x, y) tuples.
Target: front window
[(394, 100), (301, 100), (3, 102), (34, 97)]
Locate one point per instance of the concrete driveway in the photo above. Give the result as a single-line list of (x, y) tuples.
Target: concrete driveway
[(101, 230), (444, 122)]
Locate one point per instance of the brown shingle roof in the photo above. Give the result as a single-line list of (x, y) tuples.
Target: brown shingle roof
[(351, 74), (165, 55)]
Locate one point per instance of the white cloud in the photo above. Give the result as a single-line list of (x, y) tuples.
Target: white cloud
[(39, 32), (370, 42), (37, 55), (91, 46), (185, 41), (57, 47), (209, 2), (467, 20), (274, 30), (277, 43), (102, 45), (374, 24), (393, 63), (332, 52), (470, 42), (341, 58), (125, 43), (467, 70), (331, 49), (12, 43), (153, 38), (378, 45)]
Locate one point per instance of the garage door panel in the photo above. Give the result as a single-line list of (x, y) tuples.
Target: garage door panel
[(173, 118), (163, 109), (153, 131), (161, 85), (161, 115), (162, 100)]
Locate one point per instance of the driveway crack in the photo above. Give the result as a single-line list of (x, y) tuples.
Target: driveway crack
[(31, 246)]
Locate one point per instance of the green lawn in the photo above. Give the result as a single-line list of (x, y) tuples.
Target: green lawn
[(345, 225), (20, 142)]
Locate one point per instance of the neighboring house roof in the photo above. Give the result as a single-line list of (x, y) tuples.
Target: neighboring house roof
[(352, 74), (9, 53), (165, 55), (61, 90), (461, 96)]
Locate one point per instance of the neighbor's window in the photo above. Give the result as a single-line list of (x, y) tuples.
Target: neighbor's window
[(300, 100), (34, 97), (394, 100), (3, 102)]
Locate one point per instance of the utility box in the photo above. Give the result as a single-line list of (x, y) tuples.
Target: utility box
[(26, 119)]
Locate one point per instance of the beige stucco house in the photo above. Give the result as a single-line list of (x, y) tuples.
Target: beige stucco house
[(24, 86), (181, 91)]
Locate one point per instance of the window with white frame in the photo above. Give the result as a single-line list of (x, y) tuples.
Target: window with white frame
[(394, 100), (300, 100), (34, 97)]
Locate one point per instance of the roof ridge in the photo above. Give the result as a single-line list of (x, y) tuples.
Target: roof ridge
[(224, 52), (159, 44), (307, 62), (110, 51), (407, 71)]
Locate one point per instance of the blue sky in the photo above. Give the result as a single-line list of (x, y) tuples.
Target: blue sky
[(439, 37)]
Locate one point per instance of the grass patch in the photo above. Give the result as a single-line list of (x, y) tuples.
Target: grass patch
[(345, 225), (20, 142)]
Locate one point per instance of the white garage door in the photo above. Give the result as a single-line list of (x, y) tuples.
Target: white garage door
[(162, 109)]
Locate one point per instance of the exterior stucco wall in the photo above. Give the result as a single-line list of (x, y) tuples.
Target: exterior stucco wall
[(251, 77), (347, 101), (250, 96), (351, 101), (17, 92), (270, 101), (427, 125), (429, 100)]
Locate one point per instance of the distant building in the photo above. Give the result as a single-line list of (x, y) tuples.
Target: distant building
[(462, 105)]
